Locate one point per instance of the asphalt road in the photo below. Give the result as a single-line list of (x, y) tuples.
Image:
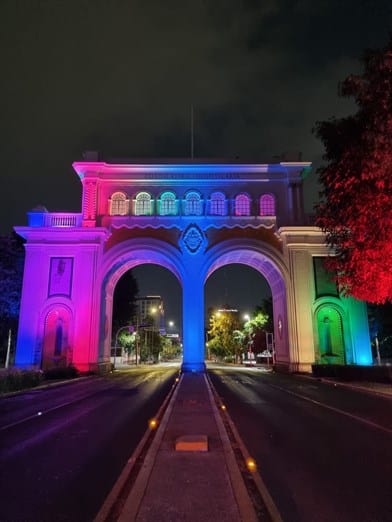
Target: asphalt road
[(62, 448), (324, 452)]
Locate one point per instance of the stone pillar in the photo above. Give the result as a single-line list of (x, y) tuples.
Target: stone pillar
[(193, 320), (89, 202)]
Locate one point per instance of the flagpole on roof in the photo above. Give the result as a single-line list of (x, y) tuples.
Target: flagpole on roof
[(192, 141)]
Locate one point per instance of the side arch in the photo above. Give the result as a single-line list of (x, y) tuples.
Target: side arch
[(116, 262), (270, 264)]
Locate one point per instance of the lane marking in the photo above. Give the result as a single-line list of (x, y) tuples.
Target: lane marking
[(144, 379), (332, 408)]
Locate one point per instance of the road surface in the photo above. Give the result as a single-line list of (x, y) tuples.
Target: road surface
[(62, 448), (324, 452)]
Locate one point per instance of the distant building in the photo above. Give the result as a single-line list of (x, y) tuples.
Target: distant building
[(149, 309)]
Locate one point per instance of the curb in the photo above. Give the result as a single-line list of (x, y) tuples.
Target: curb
[(133, 479), (51, 384), (257, 490), (243, 499), (356, 386)]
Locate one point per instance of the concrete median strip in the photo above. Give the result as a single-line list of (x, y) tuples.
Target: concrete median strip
[(182, 475), (192, 443)]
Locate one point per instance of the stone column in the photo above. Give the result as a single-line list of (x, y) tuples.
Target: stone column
[(193, 323)]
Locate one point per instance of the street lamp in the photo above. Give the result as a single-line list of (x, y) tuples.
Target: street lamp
[(153, 311)]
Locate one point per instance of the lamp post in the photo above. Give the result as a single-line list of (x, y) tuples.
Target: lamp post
[(7, 359), (153, 311)]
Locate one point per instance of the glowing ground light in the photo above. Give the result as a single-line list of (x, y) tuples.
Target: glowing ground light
[(177, 379), (153, 424), (223, 407), (251, 464)]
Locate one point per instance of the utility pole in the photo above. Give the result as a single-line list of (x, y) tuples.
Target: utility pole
[(7, 359)]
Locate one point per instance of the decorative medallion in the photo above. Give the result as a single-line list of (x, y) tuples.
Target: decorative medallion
[(193, 238)]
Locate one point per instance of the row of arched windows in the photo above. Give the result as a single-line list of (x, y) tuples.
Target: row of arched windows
[(192, 204)]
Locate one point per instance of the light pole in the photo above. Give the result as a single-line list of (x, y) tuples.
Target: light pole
[(151, 344), (7, 359)]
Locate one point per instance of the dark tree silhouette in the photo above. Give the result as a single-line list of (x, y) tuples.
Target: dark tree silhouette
[(11, 275), (124, 301)]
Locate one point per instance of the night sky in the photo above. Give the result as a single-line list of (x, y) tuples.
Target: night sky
[(120, 77)]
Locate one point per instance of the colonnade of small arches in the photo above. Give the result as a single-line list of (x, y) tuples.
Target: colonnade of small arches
[(193, 204)]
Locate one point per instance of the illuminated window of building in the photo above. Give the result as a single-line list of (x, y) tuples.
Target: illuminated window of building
[(143, 204), (267, 205), (193, 206), (118, 204), (242, 205), (168, 206), (217, 204)]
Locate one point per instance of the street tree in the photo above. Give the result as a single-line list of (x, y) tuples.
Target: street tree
[(255, 330), (355, 210), (11, 274), (222, 340)]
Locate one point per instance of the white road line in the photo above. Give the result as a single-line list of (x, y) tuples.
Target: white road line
[(336, 410)]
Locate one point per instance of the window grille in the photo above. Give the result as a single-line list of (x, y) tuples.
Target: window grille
[(217, 204), (118, 204), (143, 204), (267, 205), (242, 205), (193, 204), (168, 204)]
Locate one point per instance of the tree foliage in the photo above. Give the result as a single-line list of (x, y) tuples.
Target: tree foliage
[(11, 271), (222, 342), (355, 211), (228, 338), (11, 275)]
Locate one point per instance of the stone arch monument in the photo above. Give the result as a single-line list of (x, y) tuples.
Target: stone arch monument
[(191, 217)]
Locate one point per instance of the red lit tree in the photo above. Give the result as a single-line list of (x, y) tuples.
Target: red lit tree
[(356, 199)]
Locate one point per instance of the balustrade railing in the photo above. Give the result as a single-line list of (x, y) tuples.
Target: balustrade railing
[(54, 219)]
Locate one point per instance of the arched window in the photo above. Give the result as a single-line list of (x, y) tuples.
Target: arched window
[(242, 205), (267, 205), (193, 205), (118, 204), (143, 204), (217, 204), (168, 204)]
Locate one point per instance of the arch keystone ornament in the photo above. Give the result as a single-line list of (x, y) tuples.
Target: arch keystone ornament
[(150, 212), (193, 239)]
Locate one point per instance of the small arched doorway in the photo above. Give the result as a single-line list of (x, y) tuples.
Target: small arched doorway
[(56, 346), (330, 335)]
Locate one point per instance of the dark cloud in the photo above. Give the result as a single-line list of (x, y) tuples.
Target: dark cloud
[(120, 76)]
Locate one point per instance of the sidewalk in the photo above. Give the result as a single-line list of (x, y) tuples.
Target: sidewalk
[(189, 472)]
